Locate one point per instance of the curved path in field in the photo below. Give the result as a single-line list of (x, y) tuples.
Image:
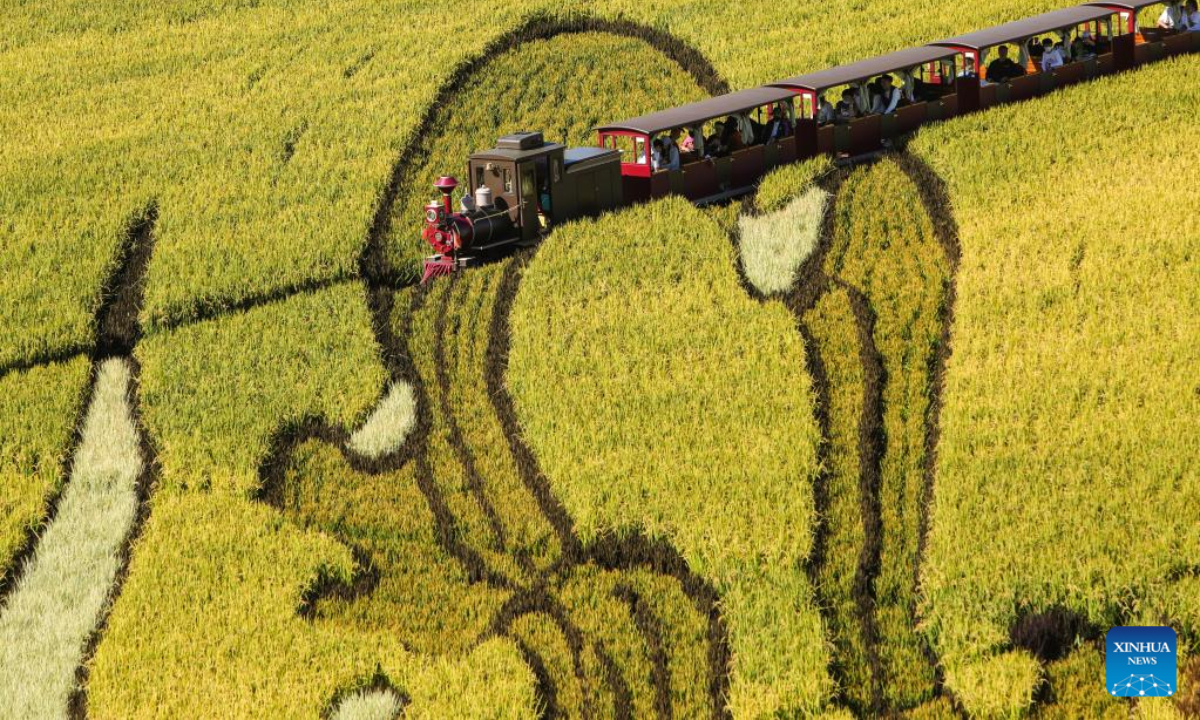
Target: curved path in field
[(118, 333)]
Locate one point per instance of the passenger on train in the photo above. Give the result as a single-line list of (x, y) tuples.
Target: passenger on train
[(688, 144), (1034, 48), (1171, 17), (1190, 20), (670, 152), (1052, 55), (672, 149), (1084, 46), (656, 153), (746, 130), (847, 107), (1003, 69), (826, 113), (968, 70), (780, 125), (889, 97), (712, 143), (731, 136)]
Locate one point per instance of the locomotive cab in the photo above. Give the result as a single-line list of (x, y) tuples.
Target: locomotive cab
[(524, 186), (543, 183)]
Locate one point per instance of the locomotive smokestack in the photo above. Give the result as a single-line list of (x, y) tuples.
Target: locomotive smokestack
[(447, 185)]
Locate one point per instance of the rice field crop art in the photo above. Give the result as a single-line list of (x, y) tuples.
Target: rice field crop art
[(886, 418)]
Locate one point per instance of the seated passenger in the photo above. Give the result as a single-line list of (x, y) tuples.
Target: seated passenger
[(731, 137), (1171, 17), (1189, 21), (671, 159), (889, 97), (874, 93), (1051, 57), (1084, 47), (968, 70), (825, 110), (780, 125), (656, 154), (1003, 69), (746, 130), (712, 143), (847, 107), (689, 141)]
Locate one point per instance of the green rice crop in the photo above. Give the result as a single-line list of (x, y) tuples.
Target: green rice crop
[(38, 408), (1066, 466), (282, 124), (215, 393), (209, 610), (783, 185), (64, 589), (656, 413), (832, 324), (529, 88), (884, 245)]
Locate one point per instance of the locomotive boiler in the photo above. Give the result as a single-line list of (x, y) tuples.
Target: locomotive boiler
[(516, 192)]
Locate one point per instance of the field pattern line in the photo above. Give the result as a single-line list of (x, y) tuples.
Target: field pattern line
[(117, 332), (935, 197)]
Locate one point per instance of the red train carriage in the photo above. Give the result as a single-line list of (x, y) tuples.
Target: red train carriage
[(522, 187), (700, 179)]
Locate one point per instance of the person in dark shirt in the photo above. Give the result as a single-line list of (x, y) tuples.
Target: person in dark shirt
[(1003, 69), (847, 109)]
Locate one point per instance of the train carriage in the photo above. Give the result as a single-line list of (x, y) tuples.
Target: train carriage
[(700, 179), (525, 185)]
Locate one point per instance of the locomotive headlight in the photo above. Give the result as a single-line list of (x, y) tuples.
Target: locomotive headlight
[(432, 216)]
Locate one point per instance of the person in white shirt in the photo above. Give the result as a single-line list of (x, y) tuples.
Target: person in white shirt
[(746, 130), (1171, 17), (1052, 56), (888, 98), (826, 113)]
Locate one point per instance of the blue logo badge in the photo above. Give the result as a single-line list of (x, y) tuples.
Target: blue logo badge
[(1140, 661)]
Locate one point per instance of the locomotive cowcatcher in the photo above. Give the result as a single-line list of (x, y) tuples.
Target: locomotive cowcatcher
[(522, 188)]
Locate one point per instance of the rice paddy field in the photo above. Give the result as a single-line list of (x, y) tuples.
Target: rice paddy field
[(894, 438)]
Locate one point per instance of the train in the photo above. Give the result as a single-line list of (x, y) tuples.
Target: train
[(520, 189)]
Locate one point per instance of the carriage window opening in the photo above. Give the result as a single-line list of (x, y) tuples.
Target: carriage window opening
[(632, 149), (507, 179), (556, 169), (478, 176)]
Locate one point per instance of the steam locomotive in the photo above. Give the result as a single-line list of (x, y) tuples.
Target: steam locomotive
[(524, 186)]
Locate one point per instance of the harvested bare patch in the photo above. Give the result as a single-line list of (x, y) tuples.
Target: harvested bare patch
[(773, 246), (389, 424), (65, 586)]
